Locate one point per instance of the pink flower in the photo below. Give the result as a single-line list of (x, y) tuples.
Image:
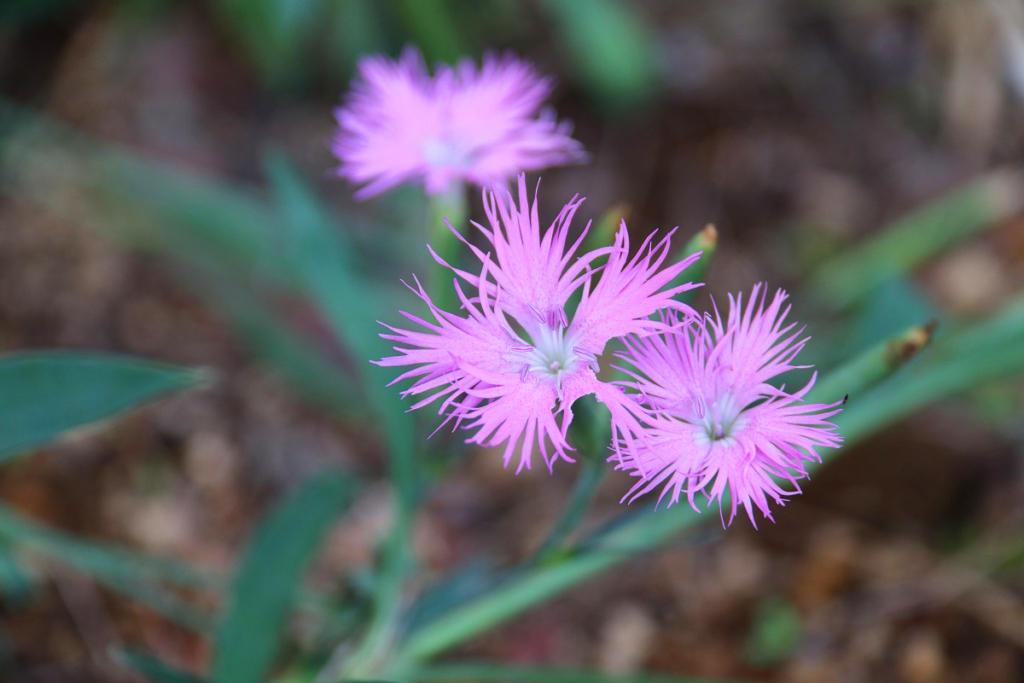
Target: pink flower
[(400, 124), (712, 423), (509, 367)]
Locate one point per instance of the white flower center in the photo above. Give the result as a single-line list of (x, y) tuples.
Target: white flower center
[(552, 355), (445, 153), (720, 418)]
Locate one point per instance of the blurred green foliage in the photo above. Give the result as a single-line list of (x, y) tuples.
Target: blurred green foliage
[(43, 394)]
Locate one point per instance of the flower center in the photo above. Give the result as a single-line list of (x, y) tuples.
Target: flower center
[(552, 354), (720, 418), (445, 153)]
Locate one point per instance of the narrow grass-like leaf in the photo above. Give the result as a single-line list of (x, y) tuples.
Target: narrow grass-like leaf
[(965, 359), (268, 576), (134, 575), (152, 668), (610, 47), (916, 238), (350, 307), (46, 393), (16, 581), (469, 672)]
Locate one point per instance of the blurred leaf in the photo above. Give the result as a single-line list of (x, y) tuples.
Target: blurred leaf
[(962, 360), (16, 582), (321, 262), (268, 576), (152, 668), (277, 34), (775, 632), (892, 306), (705, 242), (501, 673), (304, 364), (351, 307), (45, 393), (610, 47), (134, 575), (227, 237), (354, 28), (916, 238), (464, 583), (432, 25), (14, 12)]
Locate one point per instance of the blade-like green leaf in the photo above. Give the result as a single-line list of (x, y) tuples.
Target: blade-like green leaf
[(134, 575), (152, 668), (43, 394), (321, 259), (470, 672), (16, 580), (268, 577), (610, 47), (916, 238), (349, 305)]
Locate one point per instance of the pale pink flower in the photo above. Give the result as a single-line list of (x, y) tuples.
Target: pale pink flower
[(712, 423), (484, 126), (511, 364)]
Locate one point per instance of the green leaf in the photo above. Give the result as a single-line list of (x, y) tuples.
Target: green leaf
[(350, 307), (16, 580), (277, 34), (46, 393), (705, 242), (225, 239), (269, 574), (610, 47), (152, 668), (134, 575), (433, 26), (962, 360), (775, 632), (916, 238), (471, 672)]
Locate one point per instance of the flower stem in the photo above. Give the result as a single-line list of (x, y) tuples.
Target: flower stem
[(449, 206), (372, 655), (634, 532), (592, 471)]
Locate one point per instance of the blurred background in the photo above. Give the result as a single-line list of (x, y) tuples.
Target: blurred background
[(136, 139)]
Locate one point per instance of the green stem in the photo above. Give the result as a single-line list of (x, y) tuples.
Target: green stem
[(371, 656), (482, 672), (449, 206), (634, 532), (592, 472)]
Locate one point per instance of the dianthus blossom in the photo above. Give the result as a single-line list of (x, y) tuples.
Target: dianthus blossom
[(509, 366), (483, 126), (713, 423)]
